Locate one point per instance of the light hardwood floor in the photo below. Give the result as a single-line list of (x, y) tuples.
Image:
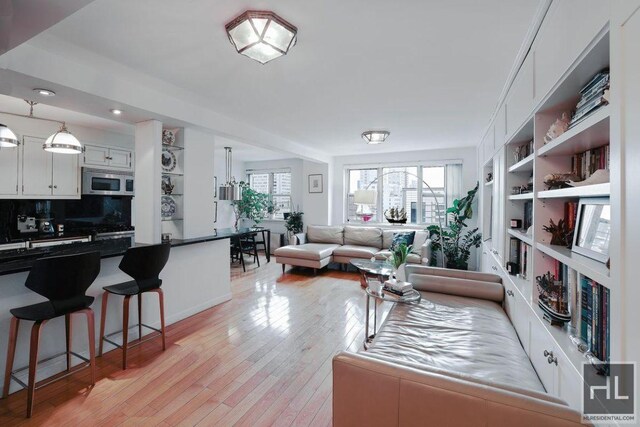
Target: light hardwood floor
[(263, 358)]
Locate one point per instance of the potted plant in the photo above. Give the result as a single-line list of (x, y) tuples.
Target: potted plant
[(398, 259), (253, 206), (293, 223), (456, 241)]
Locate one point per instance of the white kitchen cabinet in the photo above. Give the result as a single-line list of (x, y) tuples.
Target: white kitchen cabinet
[(45, 174), (542, 354), (498, 205), (37, 168), (517, 310), (107, 157), (65, 177), (9, 168), (569, 27), (568, 382), (520, 100)]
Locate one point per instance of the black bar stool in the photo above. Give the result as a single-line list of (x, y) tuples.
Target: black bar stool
[(144, 264), (63, 280)]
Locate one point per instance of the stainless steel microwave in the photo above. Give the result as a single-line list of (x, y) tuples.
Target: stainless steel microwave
[(107, 182)]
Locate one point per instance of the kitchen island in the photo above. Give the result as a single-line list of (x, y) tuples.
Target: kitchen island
[(196, 277)]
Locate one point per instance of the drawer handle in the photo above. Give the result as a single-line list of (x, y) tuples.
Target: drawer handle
[(510, 292)]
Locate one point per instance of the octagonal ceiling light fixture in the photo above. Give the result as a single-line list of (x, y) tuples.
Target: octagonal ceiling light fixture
[(375, 136), (261, 35)]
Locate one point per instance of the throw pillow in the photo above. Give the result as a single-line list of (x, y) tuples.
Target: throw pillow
[(404, 237)]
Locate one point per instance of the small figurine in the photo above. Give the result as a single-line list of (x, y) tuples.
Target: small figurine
[(560, 233), (558, 127), (167, 186)]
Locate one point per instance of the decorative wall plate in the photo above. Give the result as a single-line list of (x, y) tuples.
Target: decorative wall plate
[(168, 207), (168, 160)]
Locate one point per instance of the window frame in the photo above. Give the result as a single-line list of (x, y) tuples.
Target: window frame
[(271, 180), (380, 185)]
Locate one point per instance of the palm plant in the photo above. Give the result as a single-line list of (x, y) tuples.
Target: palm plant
[(456, 240)]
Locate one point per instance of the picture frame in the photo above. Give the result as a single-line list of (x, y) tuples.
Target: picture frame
[(315, 183), (593, 228)]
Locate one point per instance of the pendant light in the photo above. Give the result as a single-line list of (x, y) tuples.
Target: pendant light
[(63, 142), (8, 138), (231, 190)]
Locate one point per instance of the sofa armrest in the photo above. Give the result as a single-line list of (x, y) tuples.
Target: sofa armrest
[(299, 239), (368, 391)]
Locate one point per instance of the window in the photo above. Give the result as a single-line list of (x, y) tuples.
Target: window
[(401, 187), (277, 184)]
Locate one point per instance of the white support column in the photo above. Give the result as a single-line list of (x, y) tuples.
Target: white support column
[(199, 187), (147, 181)]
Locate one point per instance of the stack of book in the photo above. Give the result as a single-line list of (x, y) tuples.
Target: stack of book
[(593, 95), (527, 215), (594, 322), (398, 287), (586, 163)]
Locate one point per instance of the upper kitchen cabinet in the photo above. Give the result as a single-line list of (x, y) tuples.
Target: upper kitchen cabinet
[(567, 30), (48, 175), (107, 157), (520, 100), (9, 168)]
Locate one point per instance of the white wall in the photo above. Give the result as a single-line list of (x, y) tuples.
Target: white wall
[(467, 155), (199, 190), (315, 205)]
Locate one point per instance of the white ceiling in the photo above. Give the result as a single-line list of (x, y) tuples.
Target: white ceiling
[(428, 71)]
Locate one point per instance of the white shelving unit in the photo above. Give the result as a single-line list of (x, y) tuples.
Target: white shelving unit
[(524, 165), (525, 196), (518, 234), (596, 190)]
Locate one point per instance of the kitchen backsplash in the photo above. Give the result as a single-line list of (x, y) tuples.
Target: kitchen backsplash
[(85, 213)]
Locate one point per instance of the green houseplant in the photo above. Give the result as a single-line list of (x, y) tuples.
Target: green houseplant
[(457, 239), (293, 223), (253, 205), (398, 259)]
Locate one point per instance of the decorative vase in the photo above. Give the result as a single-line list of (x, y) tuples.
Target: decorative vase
[(401, 274)]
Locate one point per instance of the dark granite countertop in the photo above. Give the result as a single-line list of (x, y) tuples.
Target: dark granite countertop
[(19, 260)]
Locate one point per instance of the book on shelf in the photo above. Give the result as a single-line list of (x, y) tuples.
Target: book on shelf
[(586, 163), (593, 95), (594, 322), (523, 151), (519, 256), (527, 215)]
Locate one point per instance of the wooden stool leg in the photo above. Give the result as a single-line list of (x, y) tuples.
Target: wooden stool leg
[(33, 366), (161, 302), (68, 332), (11, 351), (103, 317), (140, 316), (91, 327), (125, 330)]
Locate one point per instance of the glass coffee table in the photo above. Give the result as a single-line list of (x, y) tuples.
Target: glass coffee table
[(379, 269), (411, 297)]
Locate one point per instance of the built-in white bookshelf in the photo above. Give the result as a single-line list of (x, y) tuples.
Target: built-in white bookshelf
[(172, 174)]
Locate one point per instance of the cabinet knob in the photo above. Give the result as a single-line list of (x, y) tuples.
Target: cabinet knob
[(548, 353), (552, 360), (510, 292), (494, 268), (55, 186), (51, 186)]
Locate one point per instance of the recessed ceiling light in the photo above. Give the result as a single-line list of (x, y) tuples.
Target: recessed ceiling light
[(116, 111), (44, 92)]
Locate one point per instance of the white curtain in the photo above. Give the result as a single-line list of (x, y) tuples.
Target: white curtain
[(453, 183)]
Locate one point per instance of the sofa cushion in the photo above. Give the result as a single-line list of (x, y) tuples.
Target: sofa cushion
[(419, 239), (405, 237), (313, 251), (411, 258), (363, 236), (325, 234), (470, 337), (352, 251)]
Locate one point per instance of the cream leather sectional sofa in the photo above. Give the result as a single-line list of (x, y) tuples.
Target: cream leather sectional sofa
[(453, 359), (323, 244)]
